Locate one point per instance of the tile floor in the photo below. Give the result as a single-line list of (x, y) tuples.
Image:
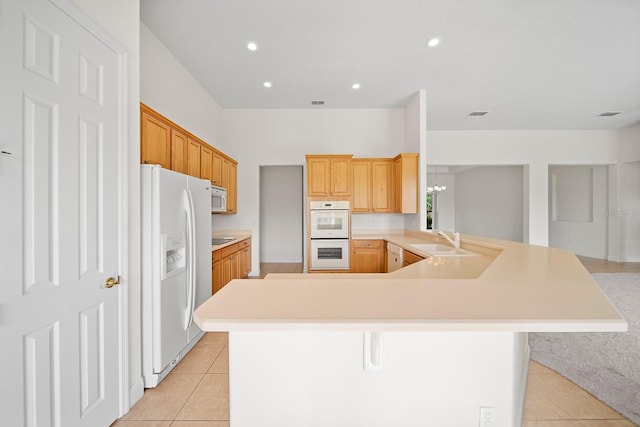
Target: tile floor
[(196, 392)]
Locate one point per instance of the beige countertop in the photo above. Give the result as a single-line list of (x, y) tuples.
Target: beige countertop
[(237, 234), (509, 287)]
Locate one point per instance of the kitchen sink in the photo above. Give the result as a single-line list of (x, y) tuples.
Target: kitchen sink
[(222, 240), (436, 249)]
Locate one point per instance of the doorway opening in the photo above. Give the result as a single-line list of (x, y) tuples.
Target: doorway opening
[(281, 218)]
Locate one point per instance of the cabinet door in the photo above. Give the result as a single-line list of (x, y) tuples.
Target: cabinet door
[(244, 257), (361, 185), (179, 151), (194, 158), (368, 256), (381, 190), (232, 190), (229, 268), (318, 176), (155, 141), (216, 169), (340, 176), (406, 183), (216, 277), (244, 262), (206, 161)]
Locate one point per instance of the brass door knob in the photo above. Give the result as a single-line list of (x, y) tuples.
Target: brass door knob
[(111, 282)]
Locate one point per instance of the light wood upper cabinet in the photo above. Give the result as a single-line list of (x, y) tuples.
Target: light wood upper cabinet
[(179, 151), (381, 185), (329, 175), (194, 158), (216, 169), (232, 190), (372, 185), (155, 141), (229, 180), (164, 143), (318, 175), (340, 184), (206, 162), (406, 183), (361, 185)]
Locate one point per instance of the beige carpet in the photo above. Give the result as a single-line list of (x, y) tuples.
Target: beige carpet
[(605, 364)]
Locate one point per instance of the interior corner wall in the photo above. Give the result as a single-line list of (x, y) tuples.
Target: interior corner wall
[(578, 207), (415, 141), (281, 214), (488, 201), (170, 89), (627, 212), (121, 19)]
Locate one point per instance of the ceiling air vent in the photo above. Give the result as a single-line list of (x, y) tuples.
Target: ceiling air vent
[(478, 113), (609, 113), (317, 102)]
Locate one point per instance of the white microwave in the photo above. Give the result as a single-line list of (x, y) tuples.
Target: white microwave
[(218, 199)]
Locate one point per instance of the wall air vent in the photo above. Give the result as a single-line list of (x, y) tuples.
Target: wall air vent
[(478, 113), (609, 113), (317, 102)]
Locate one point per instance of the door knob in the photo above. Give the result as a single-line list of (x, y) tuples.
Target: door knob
[(111, 282)]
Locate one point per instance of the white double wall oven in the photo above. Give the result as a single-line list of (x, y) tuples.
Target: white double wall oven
[(329, 235)]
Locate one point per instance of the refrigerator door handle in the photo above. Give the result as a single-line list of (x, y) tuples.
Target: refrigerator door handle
[(191, 259)]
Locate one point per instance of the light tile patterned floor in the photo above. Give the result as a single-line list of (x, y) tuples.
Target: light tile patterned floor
[(196, 392)]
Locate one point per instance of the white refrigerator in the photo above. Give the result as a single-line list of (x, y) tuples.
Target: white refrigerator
[(176, 266)]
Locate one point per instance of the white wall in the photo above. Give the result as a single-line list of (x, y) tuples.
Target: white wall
[(626, 215), (282, 137), (415, 141), (536, 150), (281, 213), (578, 204), (121, 19), (488, 202), (167, 87)]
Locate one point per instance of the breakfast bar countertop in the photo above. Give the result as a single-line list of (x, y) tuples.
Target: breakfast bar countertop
[(509, 286)]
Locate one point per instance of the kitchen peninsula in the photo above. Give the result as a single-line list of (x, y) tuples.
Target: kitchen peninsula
[(440, 342)]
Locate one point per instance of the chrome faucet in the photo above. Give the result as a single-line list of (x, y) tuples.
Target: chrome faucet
[(456, 238)]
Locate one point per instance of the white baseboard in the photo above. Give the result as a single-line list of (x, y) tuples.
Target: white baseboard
[(135, 392)]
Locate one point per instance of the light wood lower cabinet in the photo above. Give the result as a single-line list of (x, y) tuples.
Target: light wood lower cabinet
[(367, 256), (244, 258), (230, 262), (216, 271)]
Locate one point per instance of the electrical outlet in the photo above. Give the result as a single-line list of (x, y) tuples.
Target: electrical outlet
[(487, 416)]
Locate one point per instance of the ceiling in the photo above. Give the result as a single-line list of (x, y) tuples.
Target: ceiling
[(531, 64)]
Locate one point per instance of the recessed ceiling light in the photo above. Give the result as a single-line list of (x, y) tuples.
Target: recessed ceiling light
[(356, 86), (267, 84), (478, 113), (252, 46), (433, 42)]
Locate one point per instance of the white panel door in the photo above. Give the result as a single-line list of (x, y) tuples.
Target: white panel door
[(59, 186)]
